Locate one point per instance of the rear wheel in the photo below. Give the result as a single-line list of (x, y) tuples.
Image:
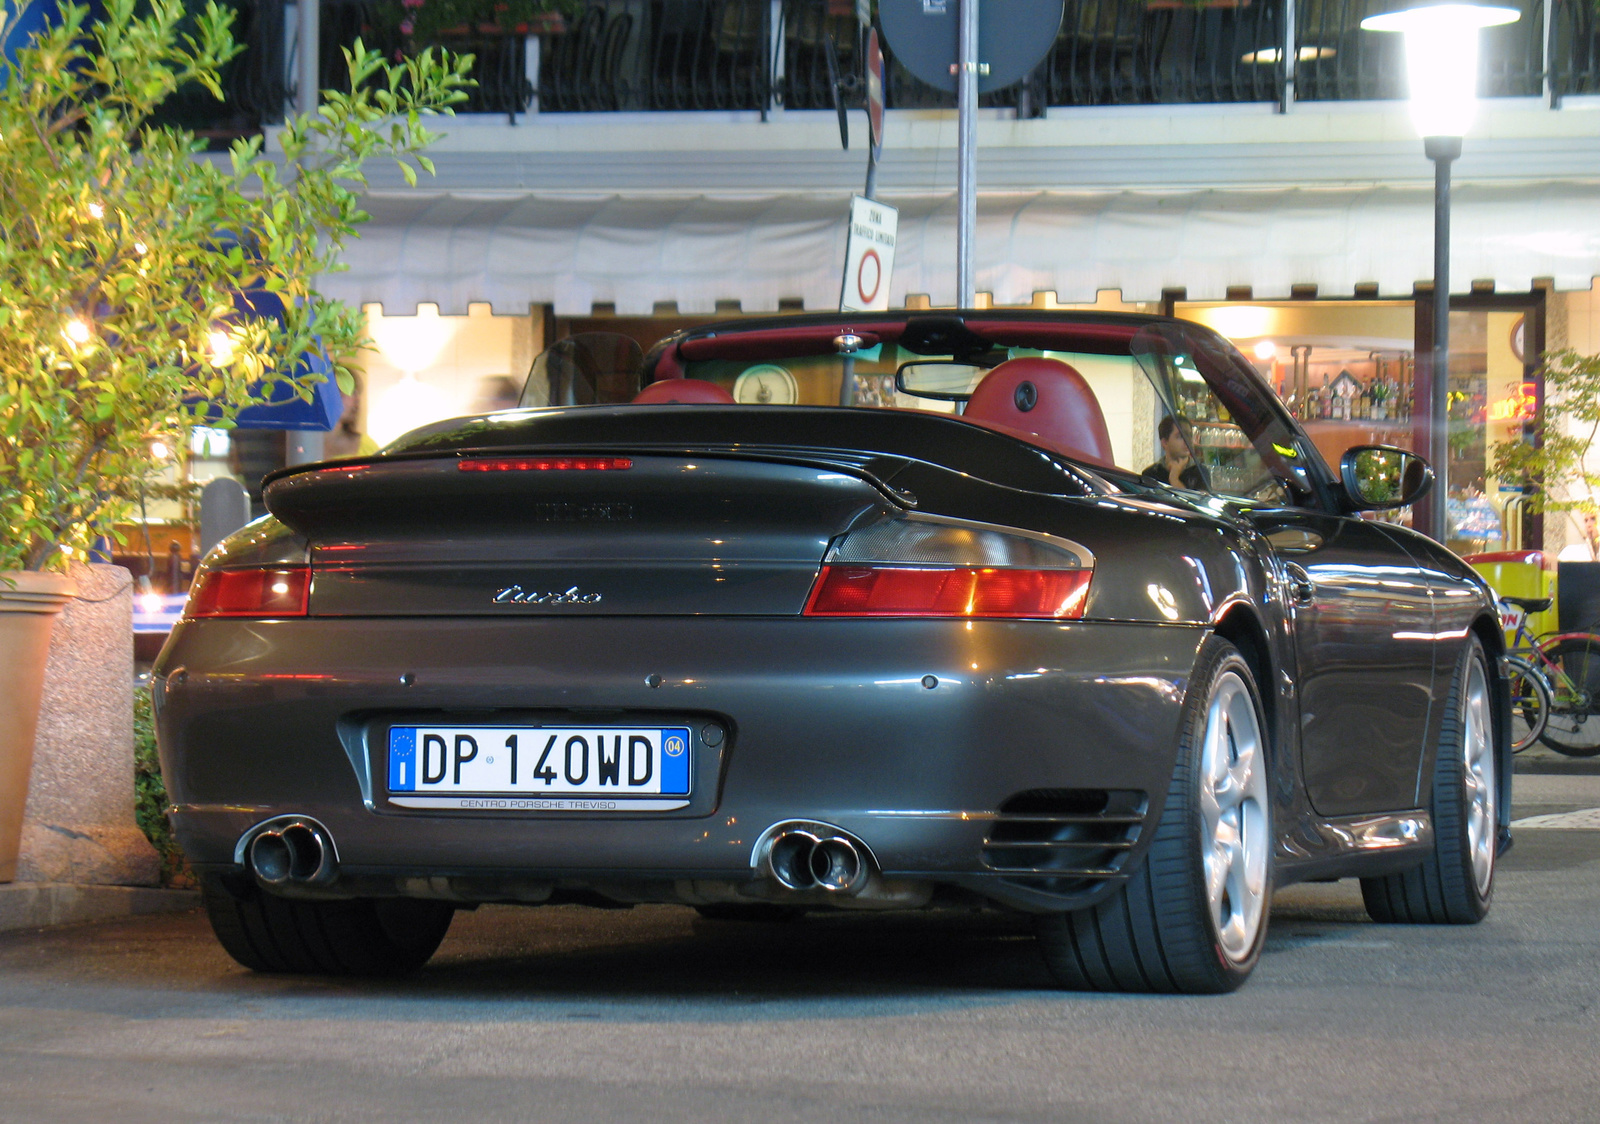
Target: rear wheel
[(1193, 916), (1530, 703), (1455, 884), (357, 937), (1574, 725)]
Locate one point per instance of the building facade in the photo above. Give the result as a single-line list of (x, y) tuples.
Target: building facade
[(646, 164)]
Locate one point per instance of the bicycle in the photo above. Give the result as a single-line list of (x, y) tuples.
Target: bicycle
[(1555, 683)]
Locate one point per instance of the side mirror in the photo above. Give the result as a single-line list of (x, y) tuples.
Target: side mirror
[(1378, 477)]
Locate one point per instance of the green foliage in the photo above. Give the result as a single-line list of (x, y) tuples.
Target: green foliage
[(122, 246), (150, 793), (1553, 454), (1379, 475)]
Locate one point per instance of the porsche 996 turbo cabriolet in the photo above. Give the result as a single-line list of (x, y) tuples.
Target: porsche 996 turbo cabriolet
[(1047, 612)]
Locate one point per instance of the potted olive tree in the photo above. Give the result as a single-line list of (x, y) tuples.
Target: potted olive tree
[(122, 251)]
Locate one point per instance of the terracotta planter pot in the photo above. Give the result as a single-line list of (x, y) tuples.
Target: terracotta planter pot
[(29, 603)]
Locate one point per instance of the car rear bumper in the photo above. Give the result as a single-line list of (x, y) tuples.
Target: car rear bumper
[(827, 721)]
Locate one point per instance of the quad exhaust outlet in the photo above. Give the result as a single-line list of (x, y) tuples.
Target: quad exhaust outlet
[(802, 856), (294, 850)]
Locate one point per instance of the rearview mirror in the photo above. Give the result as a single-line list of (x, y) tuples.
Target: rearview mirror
[(1378, 477), (938, 379)]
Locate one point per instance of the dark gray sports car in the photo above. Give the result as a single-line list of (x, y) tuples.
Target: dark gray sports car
[(860, 612)]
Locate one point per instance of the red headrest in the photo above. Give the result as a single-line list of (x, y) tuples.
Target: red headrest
[(683, 390), (1045, 400)]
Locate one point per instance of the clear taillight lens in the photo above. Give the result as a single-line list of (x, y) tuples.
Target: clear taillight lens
[(281, 591), (926, 567)]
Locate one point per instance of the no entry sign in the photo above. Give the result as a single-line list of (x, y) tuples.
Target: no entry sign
[(875, 95), (868, 256)]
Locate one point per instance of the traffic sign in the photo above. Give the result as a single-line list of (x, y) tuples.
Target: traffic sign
[(875, 94), (1013, 37), (868, 256)]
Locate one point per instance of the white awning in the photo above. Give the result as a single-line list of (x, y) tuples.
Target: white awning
[(635, 251)]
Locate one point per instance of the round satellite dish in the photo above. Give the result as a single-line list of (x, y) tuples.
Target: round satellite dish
[(766, 384)]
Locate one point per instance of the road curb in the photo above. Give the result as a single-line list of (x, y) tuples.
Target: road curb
[(33, 905)]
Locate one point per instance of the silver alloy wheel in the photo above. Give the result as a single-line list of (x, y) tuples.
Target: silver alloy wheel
[(1233, 812), (1477, 745)]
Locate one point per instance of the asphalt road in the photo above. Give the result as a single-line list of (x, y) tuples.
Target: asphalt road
[(573, 1014)]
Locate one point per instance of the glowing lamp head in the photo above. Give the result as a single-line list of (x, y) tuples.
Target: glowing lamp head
[(77, 331), (159, 450), (1266, 351), (1442, 61)]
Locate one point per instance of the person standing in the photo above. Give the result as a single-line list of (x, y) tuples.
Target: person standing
[(1587, 547)]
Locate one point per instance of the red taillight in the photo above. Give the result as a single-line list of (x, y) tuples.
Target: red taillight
[(278, 592), (967, 591), (544, 464)]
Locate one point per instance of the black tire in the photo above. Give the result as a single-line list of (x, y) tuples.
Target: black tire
[(1530, 703), (1158, 931), (1446, 889), (356, 937), (1574, 724)]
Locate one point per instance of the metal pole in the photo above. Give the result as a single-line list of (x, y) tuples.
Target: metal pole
[(1290, 56), (871, 191), (1552, 96), (967, 152), (308, 33), (777, 60), (1441, 150), (304, 446)]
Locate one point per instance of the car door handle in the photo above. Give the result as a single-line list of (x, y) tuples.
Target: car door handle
[(1302, 590)]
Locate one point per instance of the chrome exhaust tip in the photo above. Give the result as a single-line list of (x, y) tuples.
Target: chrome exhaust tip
[(270, 858), (790, 859), (837, 865), (801, 856), (293, 850)]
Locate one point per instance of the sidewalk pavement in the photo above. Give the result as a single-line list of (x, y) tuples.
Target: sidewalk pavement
[(1540, 758), (32, 905)]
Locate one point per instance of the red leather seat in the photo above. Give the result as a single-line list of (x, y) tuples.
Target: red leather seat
[(1044, 401), (697, 391)]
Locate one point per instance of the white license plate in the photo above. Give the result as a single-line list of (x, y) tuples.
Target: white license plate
[(540, 768)]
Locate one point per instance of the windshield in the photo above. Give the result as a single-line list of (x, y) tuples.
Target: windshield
[(1149, 403)]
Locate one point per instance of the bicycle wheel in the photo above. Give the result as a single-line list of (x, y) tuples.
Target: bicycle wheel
[(1530, 702), (1573, 727)]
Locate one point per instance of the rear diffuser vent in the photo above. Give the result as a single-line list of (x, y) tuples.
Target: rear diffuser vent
[(1064, 840)]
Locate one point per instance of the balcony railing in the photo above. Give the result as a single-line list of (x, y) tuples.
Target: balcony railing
[(687, 55)]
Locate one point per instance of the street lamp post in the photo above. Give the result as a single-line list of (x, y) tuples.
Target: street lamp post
[(1442, 75)]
